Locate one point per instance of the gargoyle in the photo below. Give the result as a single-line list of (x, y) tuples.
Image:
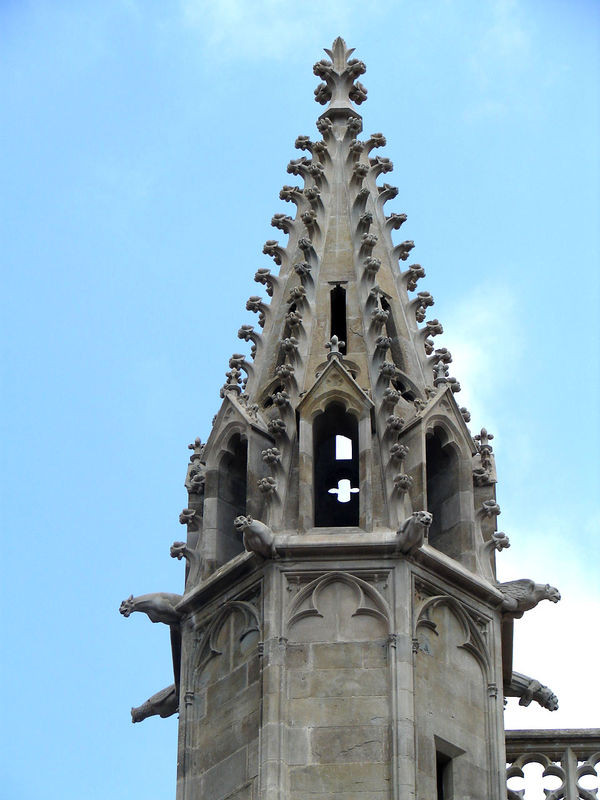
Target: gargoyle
[(257, 537), (523, 595), (411, 535), (158, 607), (163, 704), (528, 689)]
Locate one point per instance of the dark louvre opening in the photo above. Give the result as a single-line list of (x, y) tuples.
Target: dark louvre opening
[(336, 471), (338, 315)]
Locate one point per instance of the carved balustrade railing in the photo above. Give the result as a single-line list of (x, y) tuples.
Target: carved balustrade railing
[(570, 761)]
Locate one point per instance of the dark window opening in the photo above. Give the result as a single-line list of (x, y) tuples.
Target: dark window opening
[(442, 773), (392, 332), (442, 487), (407, 394), (336, 470), (231, 497), (338, 316), (268, 402)]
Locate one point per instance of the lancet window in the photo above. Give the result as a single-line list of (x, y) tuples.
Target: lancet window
[(336, 468)]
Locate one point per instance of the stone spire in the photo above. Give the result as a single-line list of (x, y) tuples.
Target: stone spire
[(341, 276)]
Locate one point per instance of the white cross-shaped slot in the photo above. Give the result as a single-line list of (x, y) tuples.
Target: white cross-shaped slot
[(343, 491)]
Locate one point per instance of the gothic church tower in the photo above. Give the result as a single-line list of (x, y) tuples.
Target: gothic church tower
[(341, 633)]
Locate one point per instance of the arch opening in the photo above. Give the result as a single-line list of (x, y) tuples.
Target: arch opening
[(232, 488), (336, 468), (442, 490)]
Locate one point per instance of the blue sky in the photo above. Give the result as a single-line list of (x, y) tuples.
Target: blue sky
[(143, 148)]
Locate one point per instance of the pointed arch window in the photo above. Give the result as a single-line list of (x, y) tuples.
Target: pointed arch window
[(336, 468), (338, 315), (231, 497), (442, 489)]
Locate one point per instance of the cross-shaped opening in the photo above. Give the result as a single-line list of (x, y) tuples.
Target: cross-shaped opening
[(344, 491)]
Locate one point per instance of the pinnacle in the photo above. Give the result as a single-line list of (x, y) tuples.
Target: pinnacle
[(339, 74)]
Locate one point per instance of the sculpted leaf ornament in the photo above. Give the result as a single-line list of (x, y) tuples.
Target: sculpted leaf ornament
[(339, 75)]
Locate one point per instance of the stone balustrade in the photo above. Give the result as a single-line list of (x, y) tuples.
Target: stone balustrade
[(570, 761)]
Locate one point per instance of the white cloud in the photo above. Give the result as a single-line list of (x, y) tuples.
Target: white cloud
[(484, 333)]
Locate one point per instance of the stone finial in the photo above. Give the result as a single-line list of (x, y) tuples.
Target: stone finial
[(339, 75), (334, 345), (233, 382), (440, 373), (198, 449)]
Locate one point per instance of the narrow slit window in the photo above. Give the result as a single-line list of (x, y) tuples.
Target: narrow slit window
[(442, 773), (338, 316)]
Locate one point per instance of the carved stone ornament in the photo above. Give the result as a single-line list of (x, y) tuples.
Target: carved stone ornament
[(302, 269), (381, 165), (271, 455), (433, 327), (465, 414), (291, 194), (371, 265), (388, 370), (413, 532), (272, 248), (333, 345), (257, 537), (375, 140), (198, 449), (158, 607), (523, 595), (394, 424), (276, 427), (412, 275), (395, 221), (285, 372), (180, 550), (289, 344), (398, 452), (390, 396), (403, 249), (267, 486), (489, 508), (529, 690), (263, 276), (187, 516), (162, 704), (339, 75), (403, 482), (296, 295)]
